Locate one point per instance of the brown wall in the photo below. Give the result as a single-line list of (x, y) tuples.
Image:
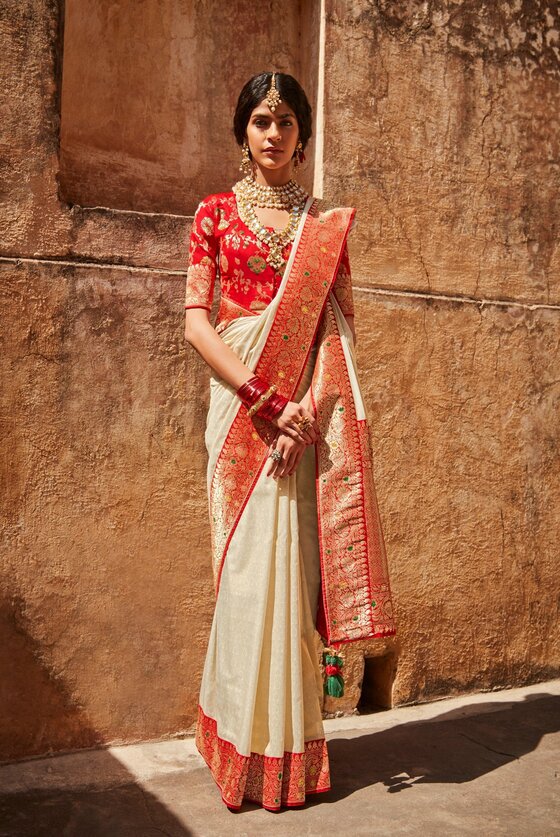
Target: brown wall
[(137, 132), (440, 127)]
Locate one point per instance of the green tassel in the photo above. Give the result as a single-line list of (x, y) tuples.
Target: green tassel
[(334, 681)]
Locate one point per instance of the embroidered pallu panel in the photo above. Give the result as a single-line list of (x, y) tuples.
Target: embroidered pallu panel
[(356, 596), (281, 362)]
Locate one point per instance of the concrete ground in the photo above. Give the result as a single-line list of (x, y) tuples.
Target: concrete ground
[(485, 764)]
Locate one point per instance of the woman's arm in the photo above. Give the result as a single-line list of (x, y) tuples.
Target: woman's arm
[(203, 337), (207, 342)]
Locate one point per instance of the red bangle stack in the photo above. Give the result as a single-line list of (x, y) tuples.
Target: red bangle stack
[(253, 389), (272, 406)]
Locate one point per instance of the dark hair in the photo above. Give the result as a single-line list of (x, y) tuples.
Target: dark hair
[(290, 91)]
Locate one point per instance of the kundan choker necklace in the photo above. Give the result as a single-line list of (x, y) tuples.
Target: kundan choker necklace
[(290, 196), (275, 197)]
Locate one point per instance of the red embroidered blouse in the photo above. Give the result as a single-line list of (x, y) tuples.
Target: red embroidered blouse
[(221, 243)]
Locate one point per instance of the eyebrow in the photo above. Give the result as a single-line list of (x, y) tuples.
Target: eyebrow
[(266, 116)]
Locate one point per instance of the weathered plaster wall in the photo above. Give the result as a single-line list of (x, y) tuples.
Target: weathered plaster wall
[(104, 536), (440, 127), (143, 137), (447, 141), (451, 128)]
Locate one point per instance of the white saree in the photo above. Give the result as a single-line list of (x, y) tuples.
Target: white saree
[(260, 726)]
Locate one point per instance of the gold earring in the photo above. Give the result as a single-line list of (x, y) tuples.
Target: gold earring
[(246, 164), (299, 156)]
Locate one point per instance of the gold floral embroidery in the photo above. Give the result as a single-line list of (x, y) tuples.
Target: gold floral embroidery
[(257, 264), (223, 222), (207, 226), (239, 281), (200, 283), (233, 240)]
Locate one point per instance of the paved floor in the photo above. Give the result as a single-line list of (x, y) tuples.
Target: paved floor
[(486, 764)]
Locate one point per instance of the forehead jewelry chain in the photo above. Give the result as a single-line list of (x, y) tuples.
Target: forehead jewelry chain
[(272, 98)]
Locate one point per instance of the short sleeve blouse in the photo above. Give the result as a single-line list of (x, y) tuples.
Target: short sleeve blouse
[(222, 245)]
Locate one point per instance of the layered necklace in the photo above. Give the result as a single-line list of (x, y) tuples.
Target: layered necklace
[(290, 196)]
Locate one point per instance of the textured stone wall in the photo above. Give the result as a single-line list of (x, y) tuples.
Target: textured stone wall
[(440, 126), (105, 581), (445, 135), (449, 124), (154, 131)]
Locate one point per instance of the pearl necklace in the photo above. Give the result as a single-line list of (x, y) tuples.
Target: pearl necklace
[(289, 196)]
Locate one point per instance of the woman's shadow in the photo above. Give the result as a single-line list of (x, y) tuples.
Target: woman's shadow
[(455, 747)]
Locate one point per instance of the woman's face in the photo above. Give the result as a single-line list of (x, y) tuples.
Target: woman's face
[(272, 137)]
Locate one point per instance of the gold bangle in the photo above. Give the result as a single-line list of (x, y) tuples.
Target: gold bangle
[(258, 404)]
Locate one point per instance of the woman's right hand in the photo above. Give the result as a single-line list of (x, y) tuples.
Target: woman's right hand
[(287, 422), (291, 453)]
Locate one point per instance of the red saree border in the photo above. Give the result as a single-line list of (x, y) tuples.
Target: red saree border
[(282, 362), (356, 598), (271, 782)]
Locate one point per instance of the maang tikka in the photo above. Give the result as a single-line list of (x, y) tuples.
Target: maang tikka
[(272, 98)]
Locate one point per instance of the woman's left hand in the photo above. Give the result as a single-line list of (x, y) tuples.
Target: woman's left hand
[(291, 450), (289, 420)]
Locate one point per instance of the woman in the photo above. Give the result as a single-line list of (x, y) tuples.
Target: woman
[(297, 545)]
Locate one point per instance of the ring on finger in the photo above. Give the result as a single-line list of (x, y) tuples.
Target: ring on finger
[(275, 455)]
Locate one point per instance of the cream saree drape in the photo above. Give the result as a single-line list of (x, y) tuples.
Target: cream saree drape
[(259, 727)]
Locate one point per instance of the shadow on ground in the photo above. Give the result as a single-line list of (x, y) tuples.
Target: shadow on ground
[(124, 811), (455, 747), (41, 715)]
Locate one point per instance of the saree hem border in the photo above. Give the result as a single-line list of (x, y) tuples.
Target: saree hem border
[(270, 781), (337, 643), (276, 808)]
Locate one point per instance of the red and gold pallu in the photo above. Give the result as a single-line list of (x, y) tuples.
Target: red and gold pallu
[(292, 556)]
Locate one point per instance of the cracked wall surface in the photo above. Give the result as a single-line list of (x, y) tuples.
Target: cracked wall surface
[(440, 126), (451, 131), (114, 151)]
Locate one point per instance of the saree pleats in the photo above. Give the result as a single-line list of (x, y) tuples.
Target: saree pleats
[(260, 727)]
